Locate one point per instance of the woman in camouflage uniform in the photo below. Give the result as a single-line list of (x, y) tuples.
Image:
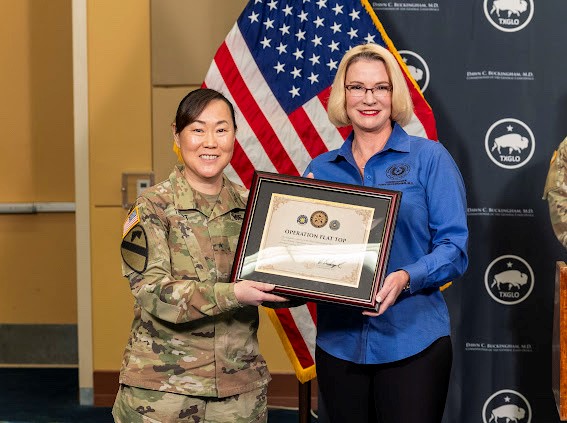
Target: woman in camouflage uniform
[(193, 352)]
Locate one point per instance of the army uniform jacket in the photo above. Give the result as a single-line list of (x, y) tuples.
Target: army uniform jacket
[(190, 335), (555, 192)]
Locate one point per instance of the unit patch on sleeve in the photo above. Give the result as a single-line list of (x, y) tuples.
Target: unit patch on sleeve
[(134, 249)]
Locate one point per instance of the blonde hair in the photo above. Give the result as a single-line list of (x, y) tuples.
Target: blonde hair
[(402, 105)]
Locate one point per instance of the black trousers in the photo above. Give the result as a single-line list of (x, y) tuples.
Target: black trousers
[(412, 390)]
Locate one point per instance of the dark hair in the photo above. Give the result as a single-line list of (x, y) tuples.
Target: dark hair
[(193, 105)]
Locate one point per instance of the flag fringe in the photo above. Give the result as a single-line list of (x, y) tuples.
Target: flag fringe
[(177, 152), (391, 47), (447, 285), (303, 375)]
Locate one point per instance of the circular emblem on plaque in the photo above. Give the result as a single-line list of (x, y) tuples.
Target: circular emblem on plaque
[(334, 225), (319, 219), (302, 219)]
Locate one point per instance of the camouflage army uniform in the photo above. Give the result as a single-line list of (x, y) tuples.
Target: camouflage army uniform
[(555, 192), (190, 335), (137, 405)]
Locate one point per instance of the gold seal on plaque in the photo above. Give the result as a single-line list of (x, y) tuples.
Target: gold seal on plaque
[(319, 219)]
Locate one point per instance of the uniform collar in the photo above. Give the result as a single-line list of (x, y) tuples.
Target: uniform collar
[(231, 197)]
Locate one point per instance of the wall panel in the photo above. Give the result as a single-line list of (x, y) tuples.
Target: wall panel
[(186, 35), (119, 95)]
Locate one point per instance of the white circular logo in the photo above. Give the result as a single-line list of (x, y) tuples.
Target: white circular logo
[(507, 406), (509, 279), (417, 68), (509, 143), (509, 15)]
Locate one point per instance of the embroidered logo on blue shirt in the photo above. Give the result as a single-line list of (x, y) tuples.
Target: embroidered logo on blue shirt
[(398, 171)]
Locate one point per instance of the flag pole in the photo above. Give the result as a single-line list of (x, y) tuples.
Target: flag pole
[(305, 402)]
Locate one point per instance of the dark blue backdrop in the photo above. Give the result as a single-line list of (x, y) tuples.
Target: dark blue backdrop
[(493, 72)]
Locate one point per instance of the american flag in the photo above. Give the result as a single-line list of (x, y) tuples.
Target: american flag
[(276, 66), (131, 221)]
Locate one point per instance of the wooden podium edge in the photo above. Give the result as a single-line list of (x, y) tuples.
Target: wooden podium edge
[(559, 340)]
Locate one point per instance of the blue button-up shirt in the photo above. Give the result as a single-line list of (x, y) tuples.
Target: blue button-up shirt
[(430, 243)]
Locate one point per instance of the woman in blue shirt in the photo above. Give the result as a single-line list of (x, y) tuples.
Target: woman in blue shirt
[(397, 361)]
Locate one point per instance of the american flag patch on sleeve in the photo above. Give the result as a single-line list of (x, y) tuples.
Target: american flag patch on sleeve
[(132, 220)]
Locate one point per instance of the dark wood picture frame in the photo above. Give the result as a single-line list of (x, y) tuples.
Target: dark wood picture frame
[(371, 258)]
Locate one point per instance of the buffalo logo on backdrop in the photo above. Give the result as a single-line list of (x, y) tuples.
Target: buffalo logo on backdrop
[(417, 67), (509, 143), (509, 279), (507, 406), (509, 15)]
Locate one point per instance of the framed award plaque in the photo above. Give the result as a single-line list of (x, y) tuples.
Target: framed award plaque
[(317, 240)]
